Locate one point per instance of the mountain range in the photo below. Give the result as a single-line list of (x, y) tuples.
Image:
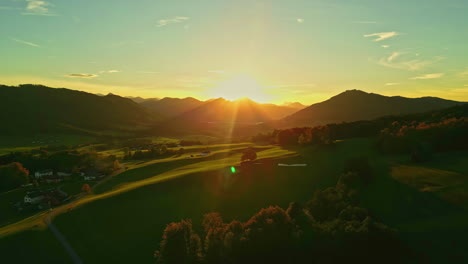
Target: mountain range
[(354, 105), (29, 109), (36, 108)]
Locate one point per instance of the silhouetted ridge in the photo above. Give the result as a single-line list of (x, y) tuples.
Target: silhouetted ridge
[(353, 105), (35, 108)]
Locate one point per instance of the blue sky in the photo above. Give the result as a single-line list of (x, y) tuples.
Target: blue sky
[(271, 50)]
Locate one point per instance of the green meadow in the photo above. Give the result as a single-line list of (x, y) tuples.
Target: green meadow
[(122, 221)]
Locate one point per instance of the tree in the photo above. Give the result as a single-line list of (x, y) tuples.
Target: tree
[(116, 165), (287, 137), (180, 244), (249, 154), (163, 150), (181, 151), (86, 188), (13, 175)]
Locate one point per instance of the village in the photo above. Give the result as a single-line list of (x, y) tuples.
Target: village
[(46, 191)]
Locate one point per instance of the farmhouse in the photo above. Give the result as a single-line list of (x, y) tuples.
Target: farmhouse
[(34, 197), (64, 174), (51, 197), (91, 175), (40, 174), (53, 179)]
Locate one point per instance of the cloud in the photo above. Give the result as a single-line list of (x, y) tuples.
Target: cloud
[(393, 56), (382, 36), (392, 84), (177, 19), (25, 42), (300, 20), (38, 7), (110, 71), (81, 75), (428, 76), (404, 61), (385, 46)]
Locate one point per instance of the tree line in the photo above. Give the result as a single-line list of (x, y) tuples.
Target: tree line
[(418, 134), (330, 228)]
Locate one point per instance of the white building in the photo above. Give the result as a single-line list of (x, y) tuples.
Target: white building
[(63, 174), (34, 197), (40, 174)]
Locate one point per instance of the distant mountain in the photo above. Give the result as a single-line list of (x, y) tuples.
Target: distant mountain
[(219, 114), (141, 99), (295, 105), (170, 107), (242, 110), (356, 105), (29, 109)]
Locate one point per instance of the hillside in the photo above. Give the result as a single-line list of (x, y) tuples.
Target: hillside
[(221, 114), (356, 105), (29, 109), (170, 107)]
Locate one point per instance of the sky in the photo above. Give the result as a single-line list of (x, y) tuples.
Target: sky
[(270, 50)]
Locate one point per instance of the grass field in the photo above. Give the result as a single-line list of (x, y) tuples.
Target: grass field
[(26, 143), (122, 221)]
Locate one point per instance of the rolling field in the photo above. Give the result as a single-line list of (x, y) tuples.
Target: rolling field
[(26, 143), (122, 221)]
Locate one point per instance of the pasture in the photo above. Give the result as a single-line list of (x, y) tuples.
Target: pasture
[(122, 221)]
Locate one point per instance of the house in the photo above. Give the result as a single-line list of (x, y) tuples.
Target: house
[(34, 197), (40, 174), (49, 197), (91, 175), (53, 179), (64, 174)]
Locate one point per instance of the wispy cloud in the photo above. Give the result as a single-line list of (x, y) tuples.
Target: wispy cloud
[(110, 71), (392, 84), (177, 19), (300, 20), (25, 42), (38, 8), (428, 76), (382, 35), (81, 75), (405, 61), (393, 56), (385, 46)]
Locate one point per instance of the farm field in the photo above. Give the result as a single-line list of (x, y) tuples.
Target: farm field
[(152, 193), (25, 143)]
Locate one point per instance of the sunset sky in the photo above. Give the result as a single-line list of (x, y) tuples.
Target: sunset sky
[(272, 51)]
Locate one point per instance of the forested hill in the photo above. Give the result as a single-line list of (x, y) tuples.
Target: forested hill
[(354, 105), (28, 109)]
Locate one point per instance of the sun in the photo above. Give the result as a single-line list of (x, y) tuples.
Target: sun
[(240, 86)]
